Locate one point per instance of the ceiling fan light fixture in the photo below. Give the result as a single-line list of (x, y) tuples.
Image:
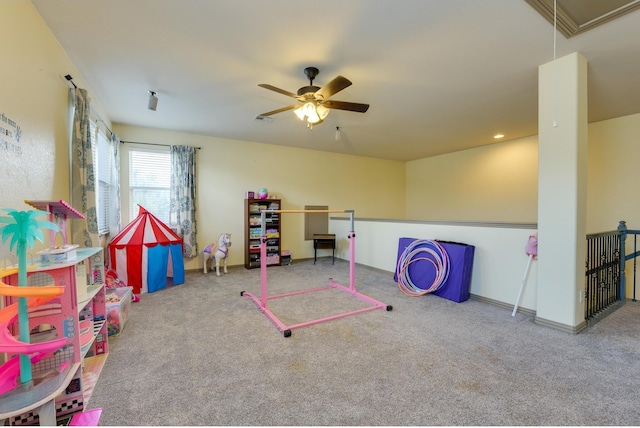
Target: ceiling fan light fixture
[(323, 112), (312, 112), (300, 112)]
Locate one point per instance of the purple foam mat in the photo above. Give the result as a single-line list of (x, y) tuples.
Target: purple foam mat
[(423, 273)]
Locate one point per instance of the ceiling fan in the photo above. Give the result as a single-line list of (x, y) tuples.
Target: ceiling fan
[(313, 102)]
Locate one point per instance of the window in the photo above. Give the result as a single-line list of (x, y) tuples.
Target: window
[(103, 159), (149, 182)]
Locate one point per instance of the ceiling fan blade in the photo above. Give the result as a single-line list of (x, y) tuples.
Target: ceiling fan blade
[(333, 87), (281, 91), (344, 105), (280, 110)]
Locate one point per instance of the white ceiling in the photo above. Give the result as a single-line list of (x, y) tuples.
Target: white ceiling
[(440, 75)]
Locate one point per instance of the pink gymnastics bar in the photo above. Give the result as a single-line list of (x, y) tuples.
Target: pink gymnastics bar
[(261, 301)]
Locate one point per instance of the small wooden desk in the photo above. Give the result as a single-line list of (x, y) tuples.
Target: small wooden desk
[(324, 241)]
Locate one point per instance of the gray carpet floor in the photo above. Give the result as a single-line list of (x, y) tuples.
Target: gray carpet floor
[(200, 354)]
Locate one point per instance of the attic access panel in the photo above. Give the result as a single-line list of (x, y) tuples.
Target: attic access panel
[(577, 16)]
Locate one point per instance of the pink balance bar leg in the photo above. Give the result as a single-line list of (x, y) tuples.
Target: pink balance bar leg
[(270, 315), (377, 304)]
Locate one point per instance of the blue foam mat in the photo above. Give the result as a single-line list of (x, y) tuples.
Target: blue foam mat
[(423, 273)]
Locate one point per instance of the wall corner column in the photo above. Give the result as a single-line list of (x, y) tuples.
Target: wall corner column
[(562, 177)]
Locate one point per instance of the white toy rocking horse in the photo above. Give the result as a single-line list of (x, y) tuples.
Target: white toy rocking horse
[(217, 251)]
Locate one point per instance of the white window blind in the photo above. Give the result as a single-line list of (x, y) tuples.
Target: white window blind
[(149, 182), (102, 159)]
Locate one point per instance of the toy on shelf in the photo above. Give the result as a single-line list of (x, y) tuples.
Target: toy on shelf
[(263, 193)]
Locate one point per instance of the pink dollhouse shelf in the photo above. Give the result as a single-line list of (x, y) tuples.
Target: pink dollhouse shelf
[(56, 207), (59, 213)]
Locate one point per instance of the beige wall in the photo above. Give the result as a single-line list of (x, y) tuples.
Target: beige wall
[(612, 185), (495, 183), (33, 97), (499, 182), (229, 168)]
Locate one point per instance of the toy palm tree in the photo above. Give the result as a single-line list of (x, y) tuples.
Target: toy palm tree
[(24, 230)]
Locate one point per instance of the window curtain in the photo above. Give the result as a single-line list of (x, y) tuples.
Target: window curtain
[(114, 197), (113, 210), (83, 188), (183, 197)]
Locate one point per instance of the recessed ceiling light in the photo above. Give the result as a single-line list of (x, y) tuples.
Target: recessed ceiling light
[(498, 136)]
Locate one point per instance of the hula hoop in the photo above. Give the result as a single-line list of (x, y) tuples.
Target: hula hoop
[(439, 259)]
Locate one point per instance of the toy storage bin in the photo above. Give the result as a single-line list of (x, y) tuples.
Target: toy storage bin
[(118, 307)]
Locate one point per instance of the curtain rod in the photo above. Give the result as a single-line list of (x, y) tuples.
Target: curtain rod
[(93, 111), (69, 80), (105, 125), (150, 144)]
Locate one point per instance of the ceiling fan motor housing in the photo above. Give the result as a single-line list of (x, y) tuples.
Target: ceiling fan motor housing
[(308, 89)]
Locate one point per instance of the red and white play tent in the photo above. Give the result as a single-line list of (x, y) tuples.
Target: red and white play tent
[(145, 253)]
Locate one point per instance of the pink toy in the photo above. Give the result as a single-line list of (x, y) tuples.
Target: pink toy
[(111, 280), (532, 245), (88, 418), (114, 320), (532, 252), (10, 344)]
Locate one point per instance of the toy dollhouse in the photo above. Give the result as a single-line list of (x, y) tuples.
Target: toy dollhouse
[(75, 318)]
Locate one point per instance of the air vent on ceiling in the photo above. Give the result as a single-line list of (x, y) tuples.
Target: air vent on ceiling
[(577, 16)]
